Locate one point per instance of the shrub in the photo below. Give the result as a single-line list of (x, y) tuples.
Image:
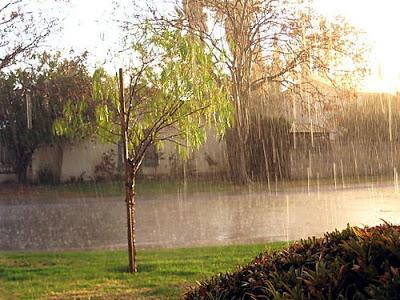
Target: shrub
[(352, 264), (106, 170), (47, 176)]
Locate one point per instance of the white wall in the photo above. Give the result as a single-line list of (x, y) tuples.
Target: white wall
[(6, 178), (209, 159), (82, 158), (44, 157)]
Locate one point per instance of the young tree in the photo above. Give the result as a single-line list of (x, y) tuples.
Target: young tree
[(21, 30), (31, 100), (172, 97), (269, 46)]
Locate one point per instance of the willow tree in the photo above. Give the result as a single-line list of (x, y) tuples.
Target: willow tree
[(172, 96), (271, 46)]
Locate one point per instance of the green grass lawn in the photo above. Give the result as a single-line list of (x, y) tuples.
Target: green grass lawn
[(143, 186), (163, 274), (107, 189)]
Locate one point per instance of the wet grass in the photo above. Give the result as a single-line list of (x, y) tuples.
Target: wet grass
[(173, 186), (145, 187), (163, 274), (107, 189), (161, 187)]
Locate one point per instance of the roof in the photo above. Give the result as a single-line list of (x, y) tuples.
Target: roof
[(308, 128)]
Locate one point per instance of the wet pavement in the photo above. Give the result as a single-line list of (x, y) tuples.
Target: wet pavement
[(183, 220)]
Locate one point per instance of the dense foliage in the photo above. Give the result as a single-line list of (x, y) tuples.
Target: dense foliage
[(267, 148), (54, 84), (374, 118), (353, 264)]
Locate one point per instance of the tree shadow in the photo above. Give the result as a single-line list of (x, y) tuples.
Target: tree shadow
[(142, 268)]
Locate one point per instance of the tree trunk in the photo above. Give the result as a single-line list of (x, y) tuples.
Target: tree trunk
[(22, 173), (130, 176), (237, 158), (131, 222), (242, 176), (237, 137), (21, 167)]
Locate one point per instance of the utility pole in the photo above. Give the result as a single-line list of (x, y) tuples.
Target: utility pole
[(28, 109)]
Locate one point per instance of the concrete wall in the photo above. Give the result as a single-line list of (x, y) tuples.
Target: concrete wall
[(328, 158), (209, 160), (8, 178), (49, 158), (211, 157), (74, 161), (80, 160)]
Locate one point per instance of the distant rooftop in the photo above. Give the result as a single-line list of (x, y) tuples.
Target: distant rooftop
[(309, 127)]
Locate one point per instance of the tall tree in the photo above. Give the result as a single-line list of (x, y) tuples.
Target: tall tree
[(32, 99), (21, 30), (172, 96), (264, 43)]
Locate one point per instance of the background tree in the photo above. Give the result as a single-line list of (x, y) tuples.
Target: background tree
[(270, 46), (53, 86), (172, 96), (21, 30)]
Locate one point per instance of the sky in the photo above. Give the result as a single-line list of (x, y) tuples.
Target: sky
[(88, 25), (381, 22)]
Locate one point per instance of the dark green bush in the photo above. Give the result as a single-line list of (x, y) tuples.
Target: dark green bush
[(352, 264), (47, 176), (266, 150)]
